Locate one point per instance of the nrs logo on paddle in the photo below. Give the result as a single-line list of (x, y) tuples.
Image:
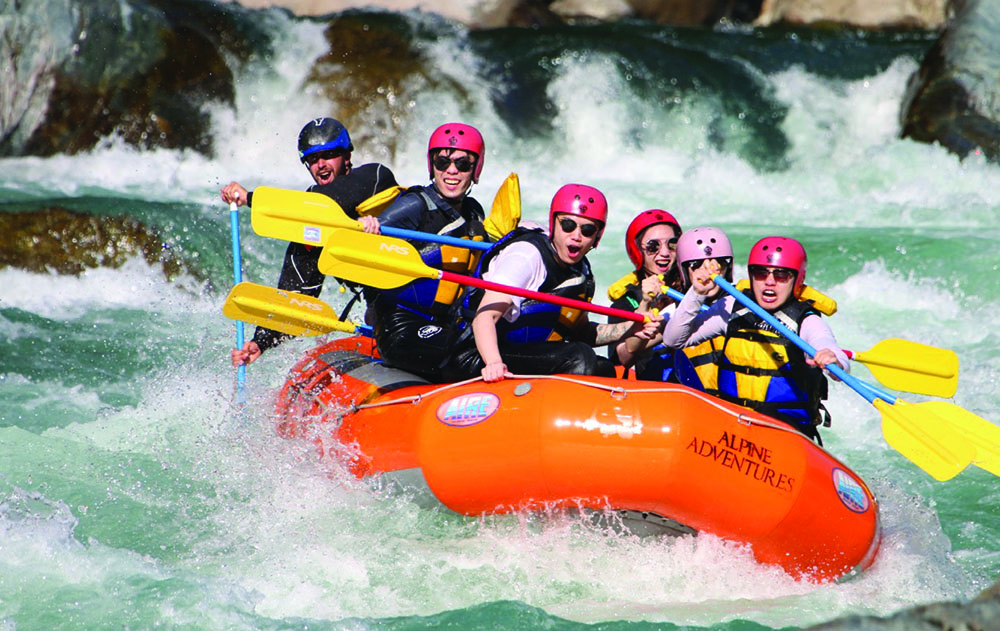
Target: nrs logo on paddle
[(468, 409)]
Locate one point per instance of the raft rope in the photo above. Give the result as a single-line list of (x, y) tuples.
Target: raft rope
[(617, 392)]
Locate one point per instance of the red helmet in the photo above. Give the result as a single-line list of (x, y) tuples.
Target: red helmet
[(781, 252), (642, 221), (458, 136), (579, 199)]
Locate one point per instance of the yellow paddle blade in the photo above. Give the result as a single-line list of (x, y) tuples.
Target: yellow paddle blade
[(924, 438), (984, 435), (506, 212), (913, 367), (297, 216), (288, 312), (373, 260), (378, 202)]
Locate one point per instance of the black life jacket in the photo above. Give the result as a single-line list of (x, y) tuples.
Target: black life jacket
[(541, 321)]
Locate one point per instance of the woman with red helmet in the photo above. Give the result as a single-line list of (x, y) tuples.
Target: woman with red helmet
[(525, 336), (757, 367), (651, 245)]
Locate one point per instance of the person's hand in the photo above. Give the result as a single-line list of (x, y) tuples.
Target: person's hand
[(246, 355), (496, 371), (822, 359), (234, 192), (649, 329), (370, 224), (652, 287), (701, 278)]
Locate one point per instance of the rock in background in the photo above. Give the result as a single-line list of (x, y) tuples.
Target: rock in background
[(74, 73), (954, 98)]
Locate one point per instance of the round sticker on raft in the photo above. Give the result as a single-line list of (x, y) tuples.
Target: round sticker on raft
[(468, 409), (850, 492)]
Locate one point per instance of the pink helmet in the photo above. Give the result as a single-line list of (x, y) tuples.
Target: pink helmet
[(642, 221), (579, 199), (458, 136), (781, 252), (703, 243)]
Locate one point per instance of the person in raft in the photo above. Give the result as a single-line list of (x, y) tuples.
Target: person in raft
[(528, 336), (757, 367), (325, 149), (416, 326), (651, 245)]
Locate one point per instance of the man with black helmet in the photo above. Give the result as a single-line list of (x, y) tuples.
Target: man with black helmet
[(325, 149)]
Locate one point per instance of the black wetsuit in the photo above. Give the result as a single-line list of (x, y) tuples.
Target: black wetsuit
[(300, 269), (413, 329)]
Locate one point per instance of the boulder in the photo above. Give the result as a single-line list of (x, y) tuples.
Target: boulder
[(954, 97), (981, 614), (83, 71), (919, 14), (64, 241)]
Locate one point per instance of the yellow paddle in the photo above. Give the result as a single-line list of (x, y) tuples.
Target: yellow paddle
[(309, 218), (505, 214), (284, 311), (921, 432), (912, 367)]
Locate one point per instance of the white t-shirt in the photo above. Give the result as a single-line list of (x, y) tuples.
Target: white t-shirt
[(519, 264)]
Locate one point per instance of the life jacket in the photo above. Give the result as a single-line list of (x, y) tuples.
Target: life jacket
[(432, 297), (541, 321), (761, 369)]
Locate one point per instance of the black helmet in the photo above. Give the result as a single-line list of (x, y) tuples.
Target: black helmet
[(322, 134)]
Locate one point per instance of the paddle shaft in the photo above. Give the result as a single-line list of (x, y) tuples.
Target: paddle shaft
[(434, 238), (869, 392), (234, 225), (537, 295)]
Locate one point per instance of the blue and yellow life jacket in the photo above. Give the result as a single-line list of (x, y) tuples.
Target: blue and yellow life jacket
[(761, 369), (432, 297), (541, 321)]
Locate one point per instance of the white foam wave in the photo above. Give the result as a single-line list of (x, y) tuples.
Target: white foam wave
[(135, 285)]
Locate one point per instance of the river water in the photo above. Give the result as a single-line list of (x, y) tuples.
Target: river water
[(135, 495)]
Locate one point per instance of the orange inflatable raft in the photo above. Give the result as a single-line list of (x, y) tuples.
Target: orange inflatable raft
[(659, 453)]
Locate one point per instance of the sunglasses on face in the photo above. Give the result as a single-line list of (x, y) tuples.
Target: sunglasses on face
[(781, 275), (463, 164), (653, 245), (586, 229), (693, 265), (329, 154)]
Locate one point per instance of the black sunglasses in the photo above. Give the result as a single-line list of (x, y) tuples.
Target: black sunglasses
[(653, 245), (329, 154), (463, 164), (586, 229), (781, 275), (693, 265)]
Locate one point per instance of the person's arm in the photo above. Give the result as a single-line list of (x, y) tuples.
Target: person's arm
[(627, 351), (484, 331), (818, 334), (359, 184), (689, 325), (300, 274)]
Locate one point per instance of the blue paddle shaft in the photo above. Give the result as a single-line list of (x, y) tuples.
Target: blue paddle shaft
[(234, 225), (435, 238), (870, 393)]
